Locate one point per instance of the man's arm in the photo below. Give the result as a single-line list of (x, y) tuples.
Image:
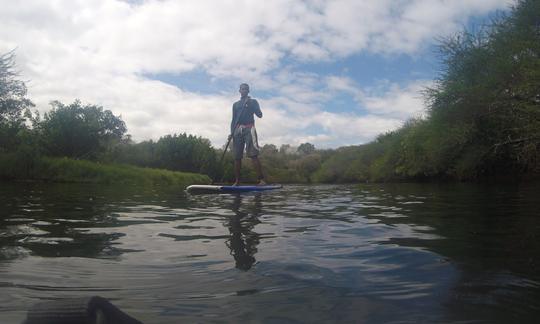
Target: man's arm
[(257, 109)]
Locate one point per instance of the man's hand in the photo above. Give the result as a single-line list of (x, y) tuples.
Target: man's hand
[(230, 137)]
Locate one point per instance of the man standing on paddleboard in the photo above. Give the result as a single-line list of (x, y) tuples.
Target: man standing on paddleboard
[(244, 134)]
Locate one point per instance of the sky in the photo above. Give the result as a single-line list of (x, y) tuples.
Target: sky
[(331, 73)]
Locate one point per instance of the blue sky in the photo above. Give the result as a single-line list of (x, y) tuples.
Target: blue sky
[(332, 73), (365, 69)]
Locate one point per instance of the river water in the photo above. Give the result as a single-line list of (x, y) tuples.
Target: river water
[(401, 253)]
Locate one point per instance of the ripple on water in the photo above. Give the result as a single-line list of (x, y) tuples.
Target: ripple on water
[(305, 254)]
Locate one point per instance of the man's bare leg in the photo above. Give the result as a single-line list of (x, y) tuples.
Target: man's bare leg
[(237, 167), (258, 169)]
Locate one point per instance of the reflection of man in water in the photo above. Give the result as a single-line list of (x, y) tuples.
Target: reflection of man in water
[(243, 241)]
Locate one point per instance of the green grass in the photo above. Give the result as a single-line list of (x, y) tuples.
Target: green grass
[(69, 170)]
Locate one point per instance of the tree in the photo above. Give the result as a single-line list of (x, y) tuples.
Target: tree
[(13, 102), (306, 148), (490, 88), (80, 131), (186, 153), (269, 149), (307, 165), (284, 149), (180, 152)]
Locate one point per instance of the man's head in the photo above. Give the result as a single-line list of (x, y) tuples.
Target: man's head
[(244, 89)]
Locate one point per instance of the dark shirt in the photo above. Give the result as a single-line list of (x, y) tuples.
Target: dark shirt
[(244, 116)]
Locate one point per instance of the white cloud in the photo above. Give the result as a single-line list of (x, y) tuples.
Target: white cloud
[(352, 129), (387, 99), (287, 120), (100, 50), (334, 129), (398, 102), (343, 84)]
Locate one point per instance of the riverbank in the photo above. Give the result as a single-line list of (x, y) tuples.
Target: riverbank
[(12, 167)]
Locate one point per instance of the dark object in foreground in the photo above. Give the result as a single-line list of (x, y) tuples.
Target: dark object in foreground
[(84, 310)]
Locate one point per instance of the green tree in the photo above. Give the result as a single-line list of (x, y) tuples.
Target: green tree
[(284, 149), (269, 149), (483, 118), (80, 131), (13, 103), (180, 152), (306, 148), (307, 165), (491, 89), (186, 153)]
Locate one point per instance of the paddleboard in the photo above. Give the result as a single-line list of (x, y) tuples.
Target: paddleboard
[(223, 189)]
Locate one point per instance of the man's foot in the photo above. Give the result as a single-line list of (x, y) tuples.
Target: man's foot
[(261, 183), (236, 183)]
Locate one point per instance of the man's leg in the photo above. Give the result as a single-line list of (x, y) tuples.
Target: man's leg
[(237, 167), (238, 147), (258, 169), (252, 149)]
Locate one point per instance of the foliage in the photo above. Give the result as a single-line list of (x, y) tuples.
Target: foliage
[(69, 170), (187, 153), (83, 132), (13, 103), (182, 152), (483, 118), (306, 148), (80, 131), (491, 88)]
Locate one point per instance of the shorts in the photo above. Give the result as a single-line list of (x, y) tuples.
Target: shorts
[(245, 137)]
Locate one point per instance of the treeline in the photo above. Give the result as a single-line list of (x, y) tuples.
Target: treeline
[(178, 152), (284, 165), (483, 121), (484, 113), (38, 147), (483, 117)]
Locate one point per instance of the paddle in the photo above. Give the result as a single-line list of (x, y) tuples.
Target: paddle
[(226, 147)]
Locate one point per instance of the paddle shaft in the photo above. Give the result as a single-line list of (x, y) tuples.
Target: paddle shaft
[(225, 151)]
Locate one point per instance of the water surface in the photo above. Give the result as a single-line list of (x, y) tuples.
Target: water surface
[(305, 254)]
